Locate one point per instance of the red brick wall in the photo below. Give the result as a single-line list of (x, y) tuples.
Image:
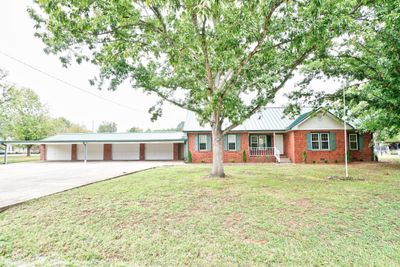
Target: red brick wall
[(300, 145), (288, 145), (42, 151), (142, 148), (176, 151), (107, 152), (74, 152), (229, 156)]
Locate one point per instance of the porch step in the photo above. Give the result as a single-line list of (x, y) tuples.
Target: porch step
[(285, 159)]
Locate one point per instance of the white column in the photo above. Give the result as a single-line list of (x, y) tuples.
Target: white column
[(85, 147), (5, 153)]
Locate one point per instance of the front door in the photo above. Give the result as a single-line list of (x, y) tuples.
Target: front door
[(279, 142)]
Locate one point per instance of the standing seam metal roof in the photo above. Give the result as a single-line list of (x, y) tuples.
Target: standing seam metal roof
[(269, 119)]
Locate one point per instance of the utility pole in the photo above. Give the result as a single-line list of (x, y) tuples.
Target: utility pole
[(345, 134)]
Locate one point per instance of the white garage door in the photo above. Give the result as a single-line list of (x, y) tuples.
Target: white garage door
[(125, 152), (159, 152), (58, 152), (95, 152)]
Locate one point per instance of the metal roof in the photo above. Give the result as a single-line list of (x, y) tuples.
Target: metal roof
[(269, 119), (108, 137)]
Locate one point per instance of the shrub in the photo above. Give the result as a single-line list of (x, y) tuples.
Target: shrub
[(203, 161), (244, 156), (189, 158), (313, 162), (304, 156), (326, 161), (348, 156), (336, 161), (232, 161)]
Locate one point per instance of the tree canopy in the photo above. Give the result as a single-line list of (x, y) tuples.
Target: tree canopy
[(107, 127), (368, 63)]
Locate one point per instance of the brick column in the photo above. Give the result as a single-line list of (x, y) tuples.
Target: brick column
[(42, 150), (74, 152), (176, 151), (107, 152), (142, 151)]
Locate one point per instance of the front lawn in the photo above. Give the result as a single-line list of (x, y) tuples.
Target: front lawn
[(18, 158), (259, 215)]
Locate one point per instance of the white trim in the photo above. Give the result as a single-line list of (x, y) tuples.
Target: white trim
[(315, 115), (319, 141)]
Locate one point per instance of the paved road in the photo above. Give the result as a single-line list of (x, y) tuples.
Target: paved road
[(20, 182)]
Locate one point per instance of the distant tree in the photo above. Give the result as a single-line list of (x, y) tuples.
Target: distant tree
[(135, 130), (4, 98), (63, 125), (30, 120), (107, 127), (179, 127)]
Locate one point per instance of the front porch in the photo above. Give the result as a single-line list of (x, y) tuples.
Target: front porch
[(266, 145)]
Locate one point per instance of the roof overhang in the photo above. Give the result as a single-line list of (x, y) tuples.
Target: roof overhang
[(43, 142)]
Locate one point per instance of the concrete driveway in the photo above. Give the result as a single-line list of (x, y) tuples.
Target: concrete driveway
[(20, 182)]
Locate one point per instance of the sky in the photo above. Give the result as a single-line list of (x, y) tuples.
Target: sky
[(17, 40)]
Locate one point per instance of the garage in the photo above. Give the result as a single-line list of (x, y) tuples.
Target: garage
[(159, 151), (58, 152), (125, 151), (95, 151)]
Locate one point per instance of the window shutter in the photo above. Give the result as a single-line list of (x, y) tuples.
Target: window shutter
[(226, 142), (309, 147), (196, 137), (332, 140), (360, 142), (238, 142), (208, 142)]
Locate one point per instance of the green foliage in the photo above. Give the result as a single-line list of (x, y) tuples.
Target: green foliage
[(135, 130), (189, 158), (203, 56), (244, 156), (368, 61), (107, 127), (62, 125), (304, 156)]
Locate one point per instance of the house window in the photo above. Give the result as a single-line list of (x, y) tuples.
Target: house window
[(315, 141), (202, 142), (260, 141), (231, 142), (353, 141), (324, 141), (320, 141)]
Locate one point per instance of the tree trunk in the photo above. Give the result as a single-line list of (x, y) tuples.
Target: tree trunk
[(218, 150), (28, 150)]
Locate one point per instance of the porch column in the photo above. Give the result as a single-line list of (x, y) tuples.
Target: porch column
[(5, 153), (274, 141), (85, 148)]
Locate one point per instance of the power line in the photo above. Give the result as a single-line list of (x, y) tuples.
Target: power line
[(68, 83)]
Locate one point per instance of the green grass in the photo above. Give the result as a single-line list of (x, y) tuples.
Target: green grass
[(285, 215), (18, 159)]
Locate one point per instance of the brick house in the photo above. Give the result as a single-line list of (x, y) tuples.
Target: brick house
[(312, 137)]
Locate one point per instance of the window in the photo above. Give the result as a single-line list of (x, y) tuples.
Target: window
[(202, 142), (231, 142), (315, 141), (324, 141), (253, 141), (353, 141), (320, 141), (260, 141)]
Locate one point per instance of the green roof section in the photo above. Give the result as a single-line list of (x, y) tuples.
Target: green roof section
[(299, 119), (108, 138)]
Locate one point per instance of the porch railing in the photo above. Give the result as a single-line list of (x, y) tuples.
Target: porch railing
[(265, 152)]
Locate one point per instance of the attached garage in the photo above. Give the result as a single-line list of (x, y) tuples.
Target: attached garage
[(125, 151), (159, 151), (95, 151), (58, 152)]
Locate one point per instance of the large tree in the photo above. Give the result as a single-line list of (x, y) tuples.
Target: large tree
[(223, 60), (368, 63), (28, 117)]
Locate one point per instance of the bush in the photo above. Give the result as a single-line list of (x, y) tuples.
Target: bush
[(244, 156), (336, 161), (304, 156), (326, 161), (313, 162), (232, 161), (203, 161), (189, 158)]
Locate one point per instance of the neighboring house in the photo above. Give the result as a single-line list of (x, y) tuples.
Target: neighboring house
[(269, 136)]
